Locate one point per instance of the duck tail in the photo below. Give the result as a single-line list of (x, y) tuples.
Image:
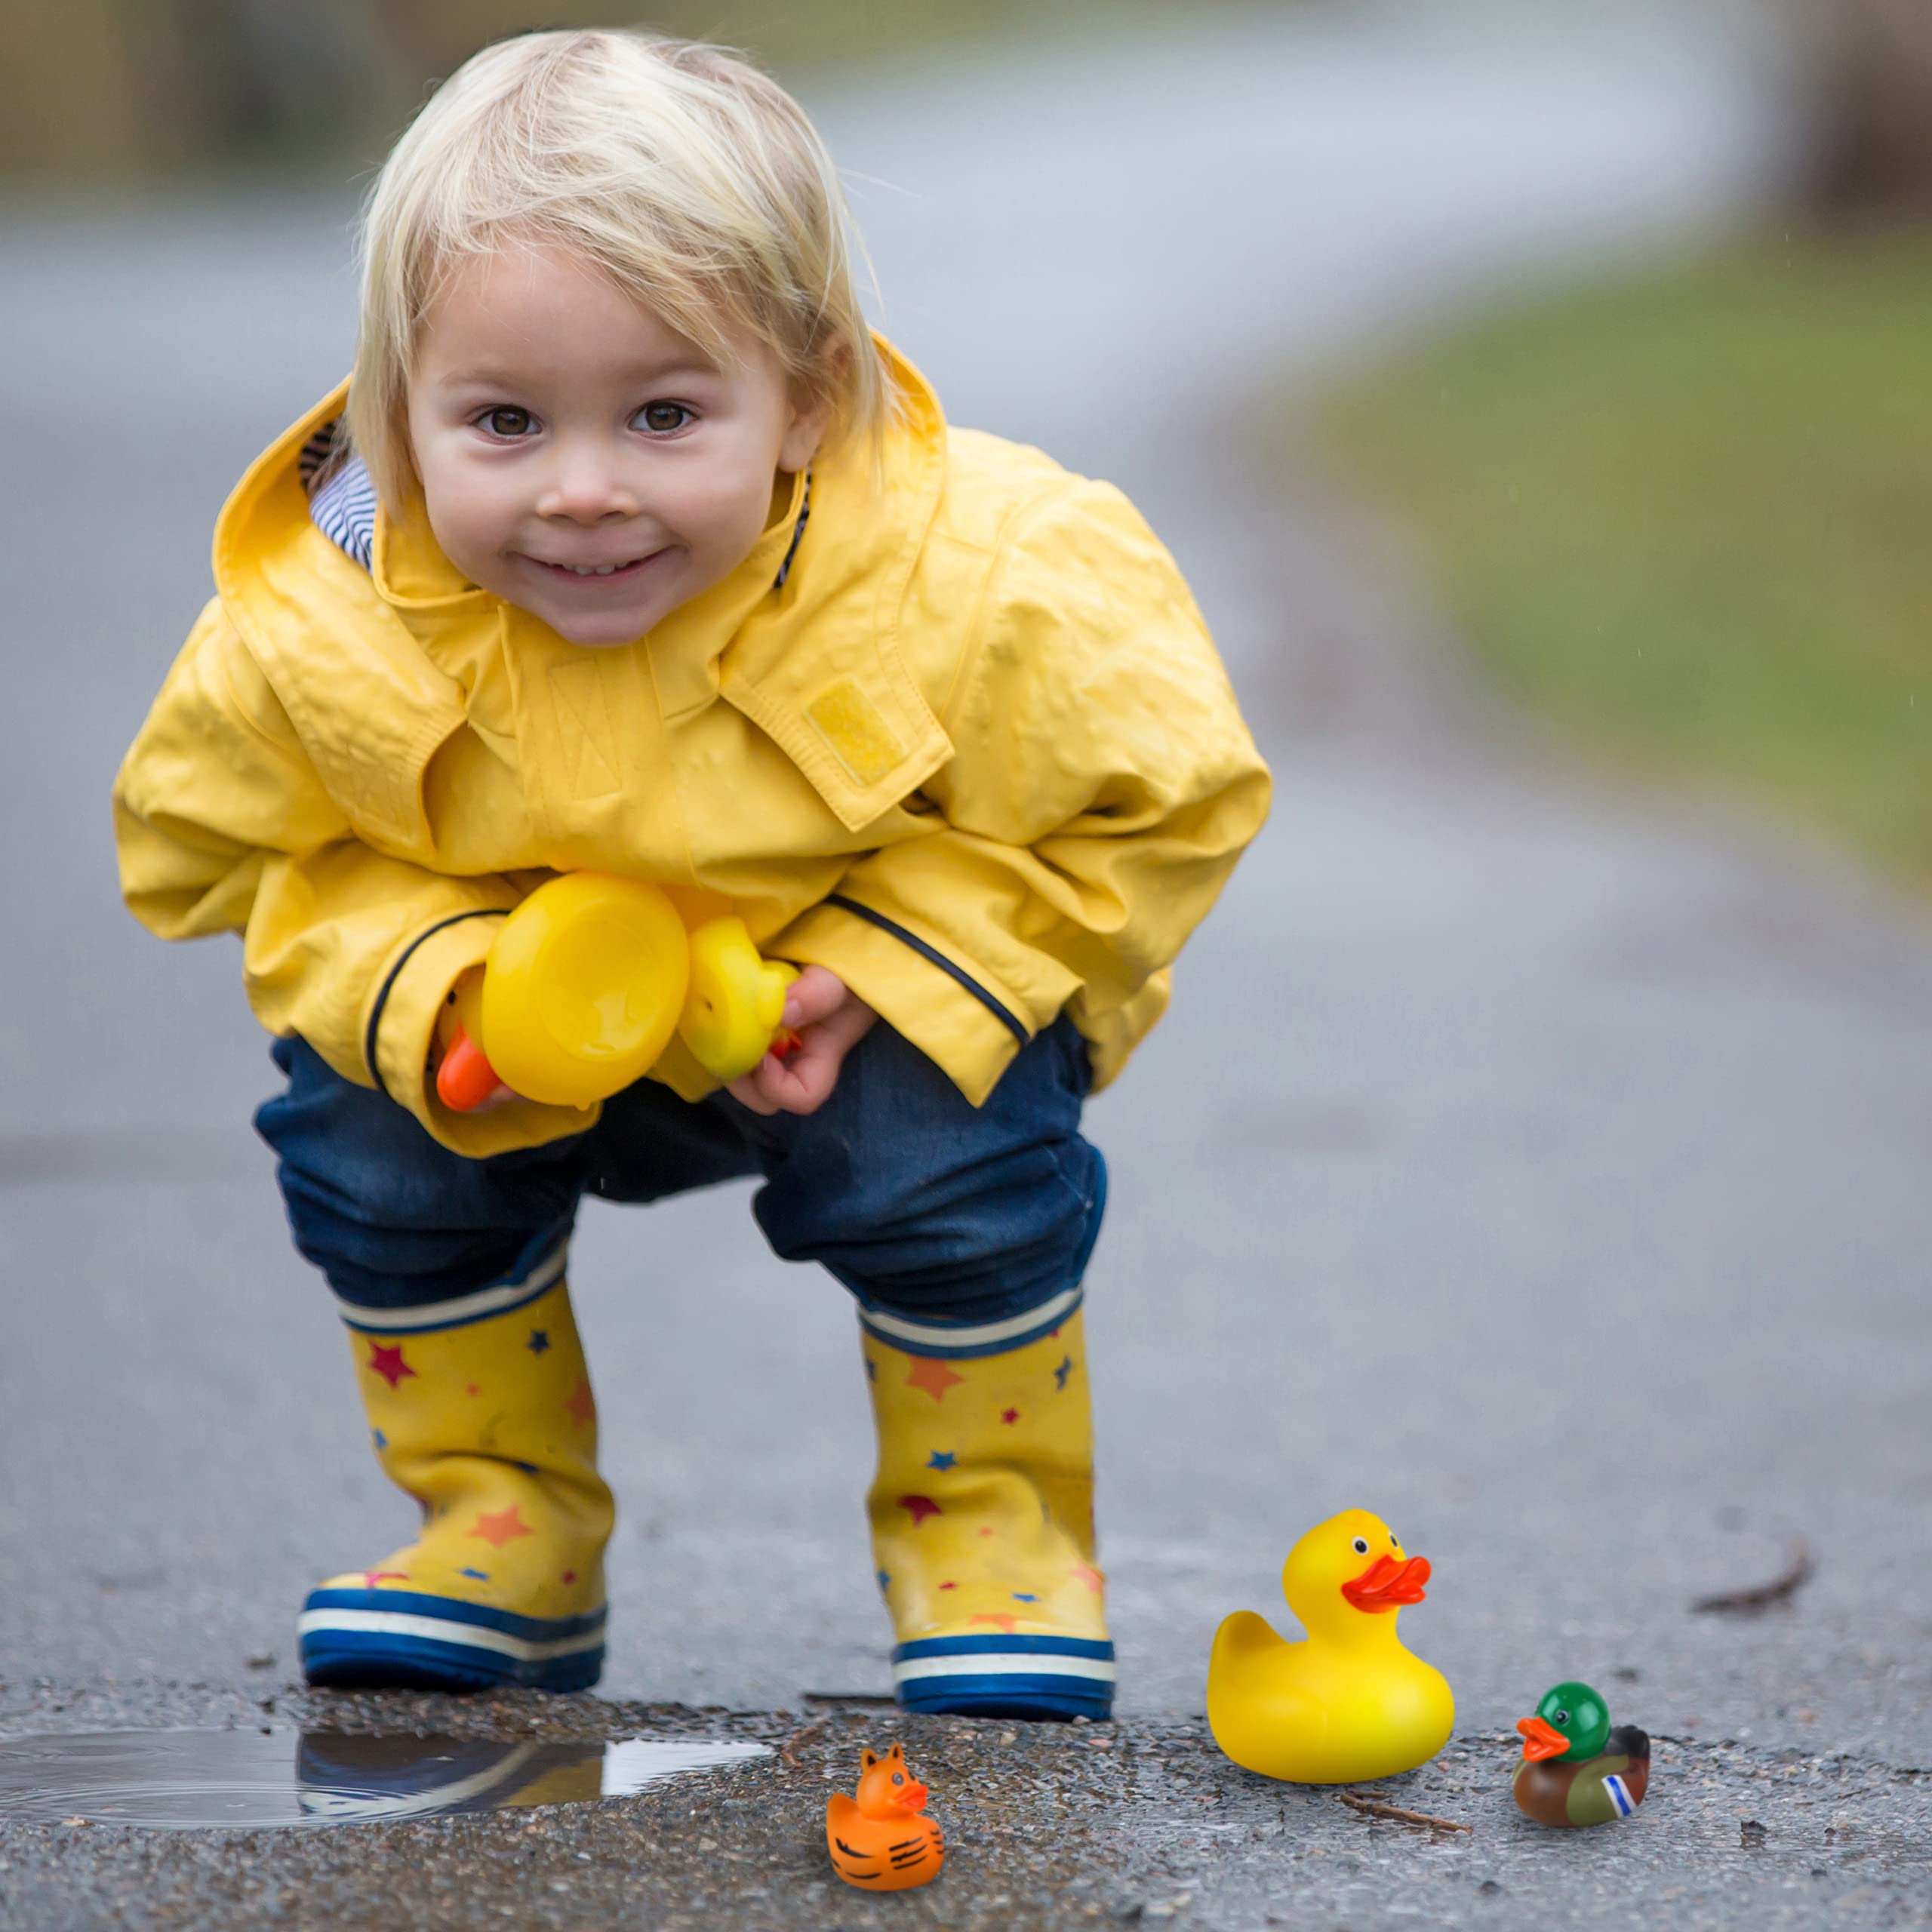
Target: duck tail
[(1634, 1746), (1241, 1636), (1627, 1741)]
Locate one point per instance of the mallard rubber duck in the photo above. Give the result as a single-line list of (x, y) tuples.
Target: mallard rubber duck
[(1349, 1703), (1576, 1769), (884, 1843)]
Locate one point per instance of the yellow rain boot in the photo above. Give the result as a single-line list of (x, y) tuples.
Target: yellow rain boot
[(983, 1528), (484, 1416)]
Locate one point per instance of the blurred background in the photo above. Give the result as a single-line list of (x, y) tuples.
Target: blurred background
[(116, 85), (1678, 507), (1676, 510), (1540, 400)]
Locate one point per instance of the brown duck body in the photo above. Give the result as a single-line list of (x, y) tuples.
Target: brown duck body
[(1555, 1793)]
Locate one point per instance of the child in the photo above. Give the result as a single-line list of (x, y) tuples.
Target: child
[(627, 548)]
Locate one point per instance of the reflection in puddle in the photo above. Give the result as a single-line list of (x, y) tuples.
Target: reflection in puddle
[(185, 1780)]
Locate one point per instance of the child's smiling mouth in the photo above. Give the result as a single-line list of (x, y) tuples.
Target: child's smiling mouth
[(595, 572)]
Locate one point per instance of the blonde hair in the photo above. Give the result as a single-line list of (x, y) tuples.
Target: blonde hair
[(692, 180)]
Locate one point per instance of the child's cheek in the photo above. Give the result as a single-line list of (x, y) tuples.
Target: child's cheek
[(472, 520)]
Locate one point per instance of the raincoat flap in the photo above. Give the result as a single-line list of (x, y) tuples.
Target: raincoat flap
[(319, 627), (820, 671)]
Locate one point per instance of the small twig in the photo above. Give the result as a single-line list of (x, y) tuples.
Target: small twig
[(788, 1752), (849, 1698), (1374, 1807), (1748, 1602)]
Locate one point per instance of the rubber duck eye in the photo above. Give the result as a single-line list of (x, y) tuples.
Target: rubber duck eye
[(1562, 1717), (899, 1777), (1395, 1541), (1362, 1545)]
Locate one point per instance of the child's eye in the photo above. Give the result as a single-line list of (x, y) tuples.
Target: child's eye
[(508, 422), (663, 419)]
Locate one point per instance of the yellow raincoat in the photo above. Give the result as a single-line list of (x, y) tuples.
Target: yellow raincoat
[(977, 755)]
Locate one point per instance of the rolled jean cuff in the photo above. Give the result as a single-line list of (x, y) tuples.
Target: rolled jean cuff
[(393, 1219), (1033, 1310), (394, 1315), (956, 1341)]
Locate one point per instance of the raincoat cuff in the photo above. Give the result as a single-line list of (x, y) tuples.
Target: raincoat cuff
[(968, 1030), (402, 1028)]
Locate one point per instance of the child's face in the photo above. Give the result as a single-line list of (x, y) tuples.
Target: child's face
[(560, 429)]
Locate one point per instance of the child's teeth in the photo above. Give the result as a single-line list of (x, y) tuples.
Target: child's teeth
[(590, 570)]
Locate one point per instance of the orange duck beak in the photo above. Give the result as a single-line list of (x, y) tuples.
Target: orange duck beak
[(913, 1797), (1541, 1740), (1387, 1584)]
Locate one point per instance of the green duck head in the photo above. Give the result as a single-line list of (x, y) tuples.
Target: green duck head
[(1571, 1724)]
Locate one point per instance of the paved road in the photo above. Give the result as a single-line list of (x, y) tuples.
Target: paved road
[(1542, 1167)]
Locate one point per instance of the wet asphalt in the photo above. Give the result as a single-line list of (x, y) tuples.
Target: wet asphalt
[(1121, 1823), (1538, 1163)]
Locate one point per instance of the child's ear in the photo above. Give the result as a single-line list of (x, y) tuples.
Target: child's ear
[(812, 410), (810, 419)]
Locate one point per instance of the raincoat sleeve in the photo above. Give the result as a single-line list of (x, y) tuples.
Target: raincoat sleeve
[(222, 824), (1102, 786)]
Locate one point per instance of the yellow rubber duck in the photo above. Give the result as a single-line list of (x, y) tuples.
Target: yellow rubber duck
[(586, 981), (736, 1000), (583, 987), (1349, 1703)]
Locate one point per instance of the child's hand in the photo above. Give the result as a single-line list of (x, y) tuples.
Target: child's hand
[(830, 1020)]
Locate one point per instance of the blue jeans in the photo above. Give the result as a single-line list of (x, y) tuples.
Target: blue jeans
[(949, 1222)]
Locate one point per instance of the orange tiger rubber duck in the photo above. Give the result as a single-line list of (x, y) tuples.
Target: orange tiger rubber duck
[(884, 1843)]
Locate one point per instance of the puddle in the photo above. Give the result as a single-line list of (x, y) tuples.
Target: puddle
[(184, 1780)]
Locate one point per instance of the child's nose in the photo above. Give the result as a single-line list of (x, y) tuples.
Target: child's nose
[(584, 490)]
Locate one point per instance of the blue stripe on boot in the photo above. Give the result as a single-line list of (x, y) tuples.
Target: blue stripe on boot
[(1006, 1677), (399, 1637)]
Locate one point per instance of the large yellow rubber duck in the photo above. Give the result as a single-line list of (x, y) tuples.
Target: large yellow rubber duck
[(587, 981), (1349, 1703)]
